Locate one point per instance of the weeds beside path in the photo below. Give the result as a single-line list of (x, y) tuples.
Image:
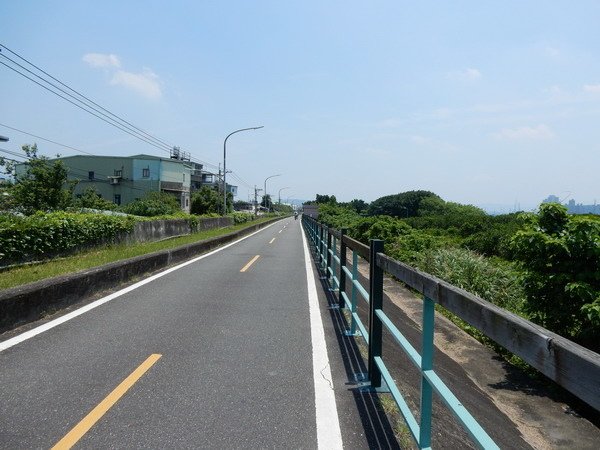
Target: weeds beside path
[(103, 255)]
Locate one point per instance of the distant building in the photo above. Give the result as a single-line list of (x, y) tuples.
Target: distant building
[(124, 179), (575, 208), (552, 199), (311, 211)]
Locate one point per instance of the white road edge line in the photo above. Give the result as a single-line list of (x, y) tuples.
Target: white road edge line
[(329, 435), (47, 326)]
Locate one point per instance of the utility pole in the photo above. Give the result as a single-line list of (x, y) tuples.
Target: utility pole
[(256, 200)]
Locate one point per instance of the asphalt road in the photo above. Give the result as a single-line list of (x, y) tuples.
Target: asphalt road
[(233, 364)]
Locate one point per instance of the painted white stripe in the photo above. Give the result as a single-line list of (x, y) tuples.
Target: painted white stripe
[(329, 435), (47, 326)]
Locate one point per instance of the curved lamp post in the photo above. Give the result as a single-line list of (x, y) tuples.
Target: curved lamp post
[(225, 162), (280, 193), (265, 191)]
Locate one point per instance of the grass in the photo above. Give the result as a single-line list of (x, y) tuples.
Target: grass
[(103, 255)]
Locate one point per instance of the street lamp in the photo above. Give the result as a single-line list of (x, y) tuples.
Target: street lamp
[(225, 166), (265, 191), (280, 193)]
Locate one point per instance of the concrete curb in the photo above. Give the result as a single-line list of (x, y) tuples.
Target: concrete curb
[(30, 301)]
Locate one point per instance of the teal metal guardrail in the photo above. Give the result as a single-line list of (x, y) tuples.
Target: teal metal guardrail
[(325, 241), (573, 367)]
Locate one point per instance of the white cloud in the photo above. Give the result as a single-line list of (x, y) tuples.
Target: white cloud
[(541, 132), (593, 88), (101, 60), (468, 74), (146, 83)]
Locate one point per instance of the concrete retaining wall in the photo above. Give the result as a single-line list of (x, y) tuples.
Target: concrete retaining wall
[(156, 230), (31, 301)]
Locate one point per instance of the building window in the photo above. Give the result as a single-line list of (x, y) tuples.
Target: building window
[(91, 175), (146, 173), (118, 199), (118, 173)]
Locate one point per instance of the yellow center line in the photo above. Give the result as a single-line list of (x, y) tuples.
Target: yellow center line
[(96, 414), (271, 241), (252, 261)]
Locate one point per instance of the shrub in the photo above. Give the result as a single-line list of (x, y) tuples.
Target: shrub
[(561, 256), (153, 204), (242, 217), (493, 280), (49, 234)]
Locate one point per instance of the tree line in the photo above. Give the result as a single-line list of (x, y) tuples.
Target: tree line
[(44, 186), (543, 265)]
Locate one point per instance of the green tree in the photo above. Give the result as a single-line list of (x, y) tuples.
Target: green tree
[(153, 204), (358, 205), (330, 199), (90, 198), (43, 186), (405, 204), (266, 202), (209, 201), (7, 201), (561, 257)]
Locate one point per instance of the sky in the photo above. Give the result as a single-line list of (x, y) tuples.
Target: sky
[(495, 104)]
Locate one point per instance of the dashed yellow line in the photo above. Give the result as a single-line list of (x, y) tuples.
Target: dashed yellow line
[(252, 261), (96, 414), (271, 241)]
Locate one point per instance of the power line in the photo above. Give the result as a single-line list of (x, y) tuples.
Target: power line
[(241, 180), (9, 152), (84, 109), (86, 101), (87, 104), (46, 139)]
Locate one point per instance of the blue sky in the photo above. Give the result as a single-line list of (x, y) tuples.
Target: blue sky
[(487, 103)]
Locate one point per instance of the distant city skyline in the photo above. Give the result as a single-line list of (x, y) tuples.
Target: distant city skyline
[(573, 207)]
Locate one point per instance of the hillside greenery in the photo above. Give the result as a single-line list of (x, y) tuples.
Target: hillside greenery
[(542, 266)]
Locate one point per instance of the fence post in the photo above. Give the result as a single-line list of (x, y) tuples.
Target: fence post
[(375, 302), (426, 364), (320, 246), (353, 297), (343, 255), (328, 255)]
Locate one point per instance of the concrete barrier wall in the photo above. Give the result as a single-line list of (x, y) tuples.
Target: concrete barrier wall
[(31, 301), (156, 230), (210, 223)]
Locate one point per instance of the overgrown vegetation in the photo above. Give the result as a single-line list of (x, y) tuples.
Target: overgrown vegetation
[(40, 218), (542, 266), (104, 254), (153, 204), (48, 234), (560, 255)]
